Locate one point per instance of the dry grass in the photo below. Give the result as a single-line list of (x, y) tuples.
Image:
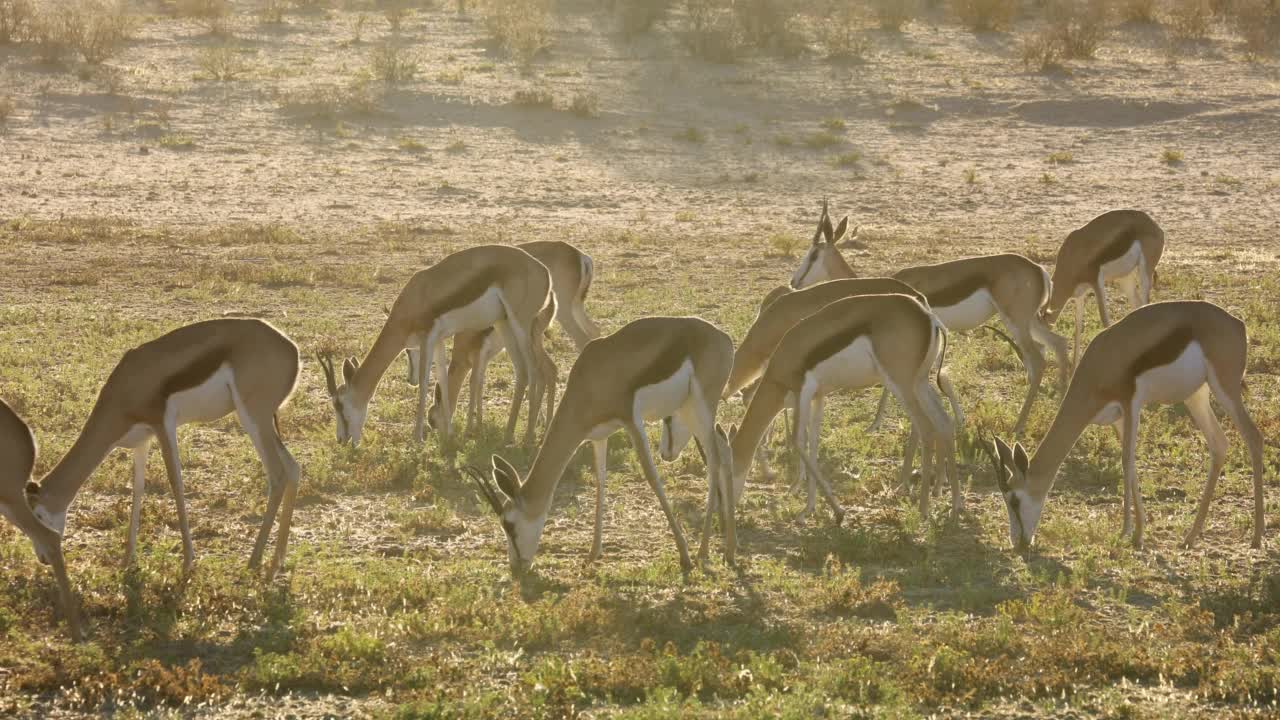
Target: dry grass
[(214, 15), (985, 15), (393, 63), (521, 27), (221, 62), (16, 20), (895, 14), (1258, 24), (1190, 19), (1142, 11)]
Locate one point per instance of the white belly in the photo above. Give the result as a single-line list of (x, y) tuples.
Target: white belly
[(135, 437), (205, 402), (853, 367), (968, 313), (478, 314), (664, 398), (1122, 266), (1108, 415), (1174, 382)]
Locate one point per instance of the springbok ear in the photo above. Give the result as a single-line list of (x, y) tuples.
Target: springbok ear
[(1005, 452), (506, 476), (348, 370), (386, 311), (1002, 474), (1020, 460), (840, 229), (733, 432), (721, 432), (827, 230), (489, 492)]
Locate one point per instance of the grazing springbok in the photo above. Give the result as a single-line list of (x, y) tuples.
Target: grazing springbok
[(487, 286), (964, 294), (1122, 245), (853, 343), (18, 448), (650, 369), (1165, 352), (572, 272)]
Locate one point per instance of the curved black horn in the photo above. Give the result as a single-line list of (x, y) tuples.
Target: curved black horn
[(326, 364)]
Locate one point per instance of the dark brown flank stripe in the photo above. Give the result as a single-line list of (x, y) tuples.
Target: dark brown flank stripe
[(1117, 247), (667, 362), (196, 372), (1162, 353), (833, 344), (466, 294), (954, 292)]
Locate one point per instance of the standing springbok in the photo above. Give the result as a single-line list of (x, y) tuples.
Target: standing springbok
[(18, 449), (651, 368), (964, 294), (763, 338), (1166, 352), (852, 343), (1123, 245), (197, 373), (572, 272), (487, 286)]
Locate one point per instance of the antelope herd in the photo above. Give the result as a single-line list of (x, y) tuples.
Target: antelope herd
[(824, 332)]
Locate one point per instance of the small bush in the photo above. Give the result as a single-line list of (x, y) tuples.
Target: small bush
[(522, 27), (1258, 23), (392, 64), (712, 34), (895, 14), (691, 134), (1138, 10), (1041, 51), (849, 159), (214, 15), (221, 63), (985, 15), (1190, 19), (7, 106), (1171, 156), (16, 20), (585, 104), (396, 13), (766, 23), (841, 36), (533, 98), (1079, 26)]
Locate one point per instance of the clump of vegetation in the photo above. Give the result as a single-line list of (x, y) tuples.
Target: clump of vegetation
[(712, 33), (895, 14), (785, 244), (691, 134), (767, 23), (413, 145), (214, 15), (533, 97), (1190, 19), (221, 62), (1078, 26), (391, 63), (1171, 156), (985, 15), (327, 102), (822, 140), (849, 159), (1258, 24), (584, 104), (834, 124), (16, 20), (521, 27), (1061, 157), (841, 36), (7, 106), (1143, 11), (1041, 51), (396, 13)]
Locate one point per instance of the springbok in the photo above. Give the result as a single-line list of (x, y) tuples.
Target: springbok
[(1165, 352), (964, 294), (1123, 245), (487, 286), (650, 369)]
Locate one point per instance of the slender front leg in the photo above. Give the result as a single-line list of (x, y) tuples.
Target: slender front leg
[(518, 352), (1100, 292), (1129, 458), (641, 445), (880, 409), (1034, 361), (475, 403), (812, 435), (441, 361), (424, 385), (600, 450), (1075, 346), (811, 466), (169, 449), (139, 487)]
